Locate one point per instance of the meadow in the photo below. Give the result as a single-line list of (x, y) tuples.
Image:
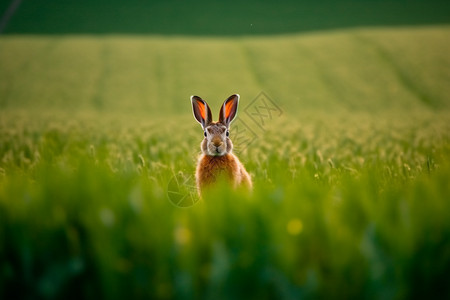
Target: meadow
[(351, 167)]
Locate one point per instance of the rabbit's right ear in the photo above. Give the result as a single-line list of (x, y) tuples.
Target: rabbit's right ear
[(201, 110), (228, 110)]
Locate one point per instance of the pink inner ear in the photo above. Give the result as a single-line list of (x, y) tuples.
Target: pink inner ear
[(228, 107), (202, 109)]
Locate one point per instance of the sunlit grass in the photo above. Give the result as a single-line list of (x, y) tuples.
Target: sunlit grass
[(86, 202)]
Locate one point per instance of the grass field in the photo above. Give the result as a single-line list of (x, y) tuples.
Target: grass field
[(351, 173), (399, 70)]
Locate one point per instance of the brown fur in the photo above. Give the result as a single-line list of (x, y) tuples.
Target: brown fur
[(228, 166)]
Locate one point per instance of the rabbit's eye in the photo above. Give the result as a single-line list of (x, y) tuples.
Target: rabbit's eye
[(204, 133), (228, 133)]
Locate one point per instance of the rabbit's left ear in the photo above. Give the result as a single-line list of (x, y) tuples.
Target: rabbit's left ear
[(201, 110), (228, 110)]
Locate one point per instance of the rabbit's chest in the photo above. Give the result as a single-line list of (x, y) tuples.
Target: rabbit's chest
[(213, 168)]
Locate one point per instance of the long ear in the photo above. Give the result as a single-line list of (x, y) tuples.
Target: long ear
[(201, 110), (228, 110)]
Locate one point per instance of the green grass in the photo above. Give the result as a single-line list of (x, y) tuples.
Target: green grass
[(359, 70), (351, 181)]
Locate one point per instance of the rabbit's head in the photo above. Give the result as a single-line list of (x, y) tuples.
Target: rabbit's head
[(216, 141)]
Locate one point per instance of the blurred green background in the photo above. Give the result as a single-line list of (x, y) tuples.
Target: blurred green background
[(230, 18), (351, 173)]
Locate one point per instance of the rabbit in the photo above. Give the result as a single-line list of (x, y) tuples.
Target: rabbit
[(217, 159)]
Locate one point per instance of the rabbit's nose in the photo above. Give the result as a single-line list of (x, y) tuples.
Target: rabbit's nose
[(217, 143)]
